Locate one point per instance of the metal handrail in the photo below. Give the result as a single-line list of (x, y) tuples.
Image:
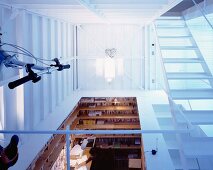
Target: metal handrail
[(94, 132), (68, 132)]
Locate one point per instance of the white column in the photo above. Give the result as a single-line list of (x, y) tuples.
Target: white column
[(75, 71), (45, 98), (147, 57), (49, 85), (21, 41), (28, 89), (68, 78), (60, 55), (71, 54), (143, 59), (57, 54), (36, 38), (152, 60), (53, 39), (64, 55)]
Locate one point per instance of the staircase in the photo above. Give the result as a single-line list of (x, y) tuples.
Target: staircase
[(189, 79)]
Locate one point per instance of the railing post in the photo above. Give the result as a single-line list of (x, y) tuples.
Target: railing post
[(68, 147)]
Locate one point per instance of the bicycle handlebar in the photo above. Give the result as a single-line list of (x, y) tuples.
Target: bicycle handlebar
[(33, 77), (61, 67), (19, 82), (66, 66)]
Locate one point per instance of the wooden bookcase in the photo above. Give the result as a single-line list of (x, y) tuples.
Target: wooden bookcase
[(109, 114), (97, 113)]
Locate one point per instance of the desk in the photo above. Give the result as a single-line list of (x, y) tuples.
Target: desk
[(135, 163)]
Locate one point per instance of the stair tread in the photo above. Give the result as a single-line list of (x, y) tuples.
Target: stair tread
[(170, 19), (191, 94), (198, 117), (178, 47), (182, 60), (188, 76), (171, 27), (175, 36), (198, 112), (198, 149)]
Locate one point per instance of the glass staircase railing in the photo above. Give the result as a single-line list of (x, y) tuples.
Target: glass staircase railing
[(188, 78)]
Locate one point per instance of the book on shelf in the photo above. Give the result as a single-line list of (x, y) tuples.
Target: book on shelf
[(94, 113), (137, 141), (100, 122)]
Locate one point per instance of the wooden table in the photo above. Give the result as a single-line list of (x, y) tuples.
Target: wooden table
[(135, 163)]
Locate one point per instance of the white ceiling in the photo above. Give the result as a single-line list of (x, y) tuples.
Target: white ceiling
[(98, 11)]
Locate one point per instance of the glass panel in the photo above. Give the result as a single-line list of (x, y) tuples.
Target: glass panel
[(172, 32), (175, 42), (199, 20), (185, 104), (199, 27), (178, 54), (171, 23), (207, 129), (189, 84), (183, 67), (202, 104)]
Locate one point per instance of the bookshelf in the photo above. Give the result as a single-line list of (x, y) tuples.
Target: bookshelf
[(109, 114), (104, 113), (107, 101)]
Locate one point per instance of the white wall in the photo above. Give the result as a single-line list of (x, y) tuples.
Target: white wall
[(126, 39), (45, 38), (33, 106), (46, 104)]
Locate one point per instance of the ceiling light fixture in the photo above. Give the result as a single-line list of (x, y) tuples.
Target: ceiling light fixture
[(109, 67)]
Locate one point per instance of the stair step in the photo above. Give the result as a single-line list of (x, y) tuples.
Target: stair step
[(188, 76), (198, 149), (170, 18), (171, 27), (197, 117), (179, 48), (182, 60), (176, 36), (204, 163), (191, 94)]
